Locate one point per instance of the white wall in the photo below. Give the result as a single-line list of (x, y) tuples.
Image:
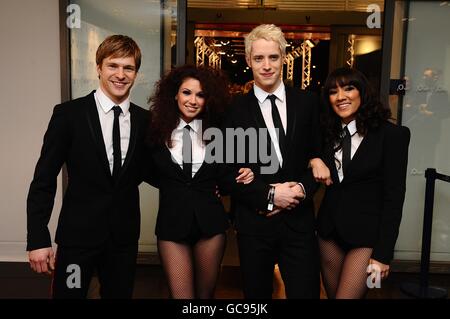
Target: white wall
[(29, 87)]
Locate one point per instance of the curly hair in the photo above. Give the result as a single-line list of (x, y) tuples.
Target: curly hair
[(164, 112), (370, 114)]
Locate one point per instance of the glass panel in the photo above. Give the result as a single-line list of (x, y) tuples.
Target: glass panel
[(426, 111), (152, 24)]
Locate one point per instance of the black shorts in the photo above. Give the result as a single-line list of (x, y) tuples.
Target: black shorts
[(194, 235), (342, 243)]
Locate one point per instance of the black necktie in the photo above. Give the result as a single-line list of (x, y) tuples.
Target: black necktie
[(346, 149), (187, 151), (277, 122), (117, 153)]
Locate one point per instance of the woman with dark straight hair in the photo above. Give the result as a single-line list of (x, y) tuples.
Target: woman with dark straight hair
[(359, 218)]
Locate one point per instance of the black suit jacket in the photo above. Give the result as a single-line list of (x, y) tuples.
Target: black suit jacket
[(302, 144), (366, 207), (94, 205), (184, 199)]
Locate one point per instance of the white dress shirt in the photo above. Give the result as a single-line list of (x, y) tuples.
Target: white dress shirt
[(355, 142), (266, 110), (198, 146), (106, 116)]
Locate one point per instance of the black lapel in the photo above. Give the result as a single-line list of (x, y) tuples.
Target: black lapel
[(166, 157), (359, 152), (201, 169), (96, 133), (255, 110), (331, 163), (133, 137), (291, 113)]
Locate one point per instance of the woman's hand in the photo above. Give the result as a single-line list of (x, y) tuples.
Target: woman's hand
[(320, 171), (246, 176), (378, 266)]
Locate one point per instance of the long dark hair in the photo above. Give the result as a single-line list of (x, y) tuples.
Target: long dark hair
[(370, 114), (164, 112)]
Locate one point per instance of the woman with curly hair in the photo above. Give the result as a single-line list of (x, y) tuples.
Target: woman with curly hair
[(359, 218), (191, 222)]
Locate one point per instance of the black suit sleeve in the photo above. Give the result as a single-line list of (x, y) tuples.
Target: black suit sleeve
[(307, 178), (395, 160), (253, 194), (150, 171), (42, 190)]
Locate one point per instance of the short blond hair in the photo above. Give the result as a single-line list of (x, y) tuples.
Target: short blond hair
[(269, 32)]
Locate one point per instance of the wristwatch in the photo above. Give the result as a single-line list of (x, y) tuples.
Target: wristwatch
[(271, 198), (304, 191)]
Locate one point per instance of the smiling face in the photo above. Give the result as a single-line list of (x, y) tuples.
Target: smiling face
[(190, 99), (266, 62), (117, 76), (345, 101)]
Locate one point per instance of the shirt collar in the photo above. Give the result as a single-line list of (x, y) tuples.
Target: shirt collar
[(262, 95), (107, 104), (351, 127), (195, 125)]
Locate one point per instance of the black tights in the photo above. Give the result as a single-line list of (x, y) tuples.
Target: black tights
[(192, 270), (344, 273)]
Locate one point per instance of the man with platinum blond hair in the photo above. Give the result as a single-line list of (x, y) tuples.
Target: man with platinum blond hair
[(284, 233)]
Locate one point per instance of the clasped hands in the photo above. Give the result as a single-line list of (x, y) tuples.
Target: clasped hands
[(287, 196)]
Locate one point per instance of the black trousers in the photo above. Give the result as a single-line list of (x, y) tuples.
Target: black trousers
[(297, 257), (114, 264)]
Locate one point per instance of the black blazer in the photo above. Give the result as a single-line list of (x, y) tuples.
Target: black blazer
[(94, 206), (302, 144), (365, 209), (184, 200)]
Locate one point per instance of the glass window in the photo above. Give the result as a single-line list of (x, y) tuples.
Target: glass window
[(426, 111), (151, 23)]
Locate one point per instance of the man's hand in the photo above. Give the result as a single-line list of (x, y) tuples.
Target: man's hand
[(42, 260), (287, 195)]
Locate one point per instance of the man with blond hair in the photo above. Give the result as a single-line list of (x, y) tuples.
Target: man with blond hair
[(284, 234), (100, 139)]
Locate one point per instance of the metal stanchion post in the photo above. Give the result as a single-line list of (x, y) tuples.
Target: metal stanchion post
[(422, 289)]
